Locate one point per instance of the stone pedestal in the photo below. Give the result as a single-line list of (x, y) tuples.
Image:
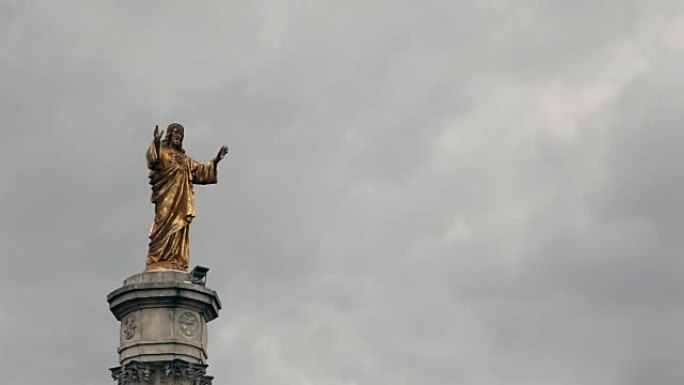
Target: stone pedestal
[(163, 333)]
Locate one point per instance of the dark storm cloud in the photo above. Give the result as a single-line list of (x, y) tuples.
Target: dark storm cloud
[(450, 192)]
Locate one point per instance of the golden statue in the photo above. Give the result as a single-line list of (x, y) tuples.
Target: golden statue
[(172, 174)]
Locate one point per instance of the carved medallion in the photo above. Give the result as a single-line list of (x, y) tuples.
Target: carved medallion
[(128, 327), (189, 324)]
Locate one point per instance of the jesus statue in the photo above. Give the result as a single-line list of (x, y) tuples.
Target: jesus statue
[(172, 174)]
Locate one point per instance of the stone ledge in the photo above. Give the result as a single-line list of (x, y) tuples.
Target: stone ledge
[(163, 350), (164, 294)]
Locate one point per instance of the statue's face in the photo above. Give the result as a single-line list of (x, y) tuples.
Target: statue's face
[(176, 137)]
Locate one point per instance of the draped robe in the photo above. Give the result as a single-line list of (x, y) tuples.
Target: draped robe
[(172, 174)]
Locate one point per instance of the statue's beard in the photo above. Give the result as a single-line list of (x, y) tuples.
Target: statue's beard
[(177, 144)]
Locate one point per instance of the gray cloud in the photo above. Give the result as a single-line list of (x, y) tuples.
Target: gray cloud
[(450, 192)]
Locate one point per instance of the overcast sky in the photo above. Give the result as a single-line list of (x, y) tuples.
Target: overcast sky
[(427, 192)]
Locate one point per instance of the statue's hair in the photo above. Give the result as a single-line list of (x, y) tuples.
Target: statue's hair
[(167, 138), (175, 125)]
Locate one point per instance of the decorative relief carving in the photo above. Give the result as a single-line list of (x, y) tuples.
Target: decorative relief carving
[(176, 372), (184, 373), (135, 373), (128, 327), (189, 324)]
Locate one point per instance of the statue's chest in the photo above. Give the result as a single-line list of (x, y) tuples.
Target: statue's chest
[(176, 159)]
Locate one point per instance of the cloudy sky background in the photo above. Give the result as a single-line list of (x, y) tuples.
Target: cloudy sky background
[(433, 192)]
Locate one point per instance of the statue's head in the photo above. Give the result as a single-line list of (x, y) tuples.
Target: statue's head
[(174, 136)]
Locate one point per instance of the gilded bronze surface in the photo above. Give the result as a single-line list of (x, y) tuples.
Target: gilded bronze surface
[(172, 176)]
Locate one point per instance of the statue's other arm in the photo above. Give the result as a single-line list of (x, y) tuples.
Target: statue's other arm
[(207, 173), (203, 173)]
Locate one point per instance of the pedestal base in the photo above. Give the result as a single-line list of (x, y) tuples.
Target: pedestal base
[(163, 335)]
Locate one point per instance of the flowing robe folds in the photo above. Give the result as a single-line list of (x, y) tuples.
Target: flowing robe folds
[(172, 174)]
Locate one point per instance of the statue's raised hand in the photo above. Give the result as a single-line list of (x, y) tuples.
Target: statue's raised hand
[(157, 136), (222, 153)]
